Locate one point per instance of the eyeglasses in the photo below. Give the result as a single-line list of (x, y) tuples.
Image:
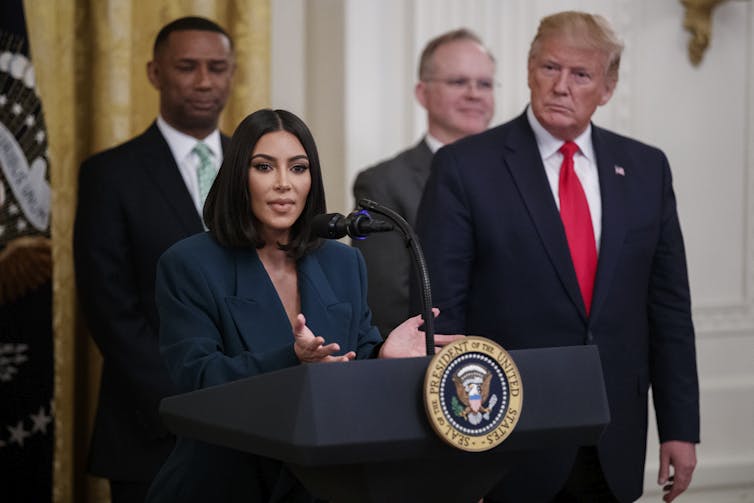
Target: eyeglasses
[(460, 83)]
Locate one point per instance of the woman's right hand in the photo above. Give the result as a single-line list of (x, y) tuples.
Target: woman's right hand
[(406, 340), (312, 349)]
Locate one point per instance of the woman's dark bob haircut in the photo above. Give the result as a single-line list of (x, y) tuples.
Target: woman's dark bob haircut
[(227, 211)]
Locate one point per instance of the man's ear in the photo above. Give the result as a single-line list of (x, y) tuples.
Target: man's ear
[(530, 74), (420, 92), (153, 74), (607, 93)]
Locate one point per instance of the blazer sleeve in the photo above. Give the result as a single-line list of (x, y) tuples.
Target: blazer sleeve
[(675, 387), (448, 247), (197, 341)]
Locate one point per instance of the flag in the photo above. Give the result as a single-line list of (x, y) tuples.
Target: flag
[(26, 355)]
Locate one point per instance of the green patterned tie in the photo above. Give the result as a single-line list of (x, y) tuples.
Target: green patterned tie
[(205, 171)]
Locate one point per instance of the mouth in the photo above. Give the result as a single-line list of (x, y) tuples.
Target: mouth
[(281, 205), (473, 112), (202, 104), (554, 107)]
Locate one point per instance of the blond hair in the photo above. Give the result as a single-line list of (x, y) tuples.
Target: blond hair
[(588, 30)]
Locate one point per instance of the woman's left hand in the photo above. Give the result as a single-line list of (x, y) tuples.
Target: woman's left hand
[(406, 340), (312, 349)]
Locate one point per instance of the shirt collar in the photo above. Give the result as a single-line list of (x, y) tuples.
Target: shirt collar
[(549, 145), (433, 143), (182, 144)]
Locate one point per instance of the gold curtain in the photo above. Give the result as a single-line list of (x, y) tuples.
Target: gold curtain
[(90, 59)]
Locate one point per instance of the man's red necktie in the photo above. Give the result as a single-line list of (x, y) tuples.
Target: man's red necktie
[(577, 221)]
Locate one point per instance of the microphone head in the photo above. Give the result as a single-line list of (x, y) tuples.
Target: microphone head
[(357, 223), (329, 226)]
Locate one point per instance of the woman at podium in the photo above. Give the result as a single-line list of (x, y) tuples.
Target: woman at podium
[(256, 293)]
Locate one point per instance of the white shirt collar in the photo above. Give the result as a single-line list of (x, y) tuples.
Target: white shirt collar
[(549, 145), (433, 143), (182, 144)]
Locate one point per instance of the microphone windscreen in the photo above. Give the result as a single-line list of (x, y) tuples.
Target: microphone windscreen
[(329, 226)]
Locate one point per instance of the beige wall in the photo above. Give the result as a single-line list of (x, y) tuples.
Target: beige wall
[(348, 67)]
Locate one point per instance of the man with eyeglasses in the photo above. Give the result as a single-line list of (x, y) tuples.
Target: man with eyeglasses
[(456, 87)]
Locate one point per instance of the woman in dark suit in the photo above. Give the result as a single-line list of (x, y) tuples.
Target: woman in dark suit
[(251, 296)]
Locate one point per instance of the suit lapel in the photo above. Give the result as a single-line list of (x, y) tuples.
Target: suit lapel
[(612, 174), (417, 171), (525, 165), (161, 167), (420, 158), (257, 310), (326, 315), (225, 142), (259, 313)]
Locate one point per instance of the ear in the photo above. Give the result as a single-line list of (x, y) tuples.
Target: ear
[(607, 93), (420, 92), (530, 69), (153, 74)]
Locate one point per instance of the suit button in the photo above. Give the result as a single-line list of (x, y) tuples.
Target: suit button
[(589, 337)]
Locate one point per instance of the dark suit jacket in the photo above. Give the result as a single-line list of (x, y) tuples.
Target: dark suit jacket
[(397, 183), (500, 268), (133, 204), (222, 320)]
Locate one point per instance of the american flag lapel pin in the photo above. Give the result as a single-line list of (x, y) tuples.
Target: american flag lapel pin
[(619, 170)]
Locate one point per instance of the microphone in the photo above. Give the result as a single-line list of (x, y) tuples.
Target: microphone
[(357, 225)]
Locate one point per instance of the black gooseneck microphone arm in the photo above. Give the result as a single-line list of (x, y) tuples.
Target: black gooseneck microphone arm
[(420, 266)]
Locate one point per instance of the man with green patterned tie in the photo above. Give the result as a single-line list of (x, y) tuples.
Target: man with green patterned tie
[(135, 201), (205, 171)]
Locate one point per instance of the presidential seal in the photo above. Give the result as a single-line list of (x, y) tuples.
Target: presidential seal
[(473, 394)]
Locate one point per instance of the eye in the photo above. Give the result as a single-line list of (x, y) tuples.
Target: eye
[(186, 66), (459, 82), (582, 77), (299, 168), (485, 85), (221, 67), (262, 167)]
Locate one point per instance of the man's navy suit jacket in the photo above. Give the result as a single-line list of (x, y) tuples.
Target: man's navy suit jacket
[(132, 206), (500, 268)]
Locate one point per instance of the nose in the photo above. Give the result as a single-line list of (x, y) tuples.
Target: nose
[(281, 182), (203, 77), (561, 83), (478, 89), (473, 89)]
